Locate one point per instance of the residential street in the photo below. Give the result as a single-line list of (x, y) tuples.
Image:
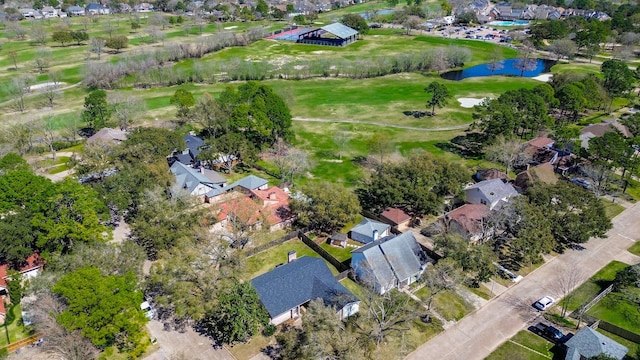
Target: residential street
[(478, 334)]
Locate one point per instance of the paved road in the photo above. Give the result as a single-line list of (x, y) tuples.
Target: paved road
[(477, 335)]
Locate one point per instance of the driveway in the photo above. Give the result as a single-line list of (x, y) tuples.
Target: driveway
[(480, 333), (188, 345)]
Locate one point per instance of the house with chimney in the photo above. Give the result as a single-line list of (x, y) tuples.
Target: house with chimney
[(493, 193), (197, 182), (286, 290), (369, 230)]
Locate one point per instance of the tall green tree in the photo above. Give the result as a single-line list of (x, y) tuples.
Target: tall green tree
[(440, 95), (237, 316), (183, 100), (618, 78), (327, 207), (106, 309), (96, 109), (356, 22)]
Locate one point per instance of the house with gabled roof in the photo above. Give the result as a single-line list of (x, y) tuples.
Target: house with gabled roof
[(588, 343), (75, 10), (96, 9), (369, 230), (492, 193), (197, 182), (468, 221), (108, 135), (544, 172), (389, 262), (598, 130), (188, 156), (395, 217), (285, 290)]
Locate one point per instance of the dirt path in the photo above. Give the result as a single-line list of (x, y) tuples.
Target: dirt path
[(351, 121)]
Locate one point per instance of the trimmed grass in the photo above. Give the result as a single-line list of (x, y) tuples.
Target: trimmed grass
[(337, 252), (253, 347), (635, 249), (617, 310), (595, 284), (15, 329), (267, 260), (481, 291), (611, 209), (531, 347), (447, 303)]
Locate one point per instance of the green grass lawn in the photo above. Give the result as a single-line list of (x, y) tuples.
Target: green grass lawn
[(523, 346), (617, 310), (447, 303), (337, 252), (481, 291), (595, 284), (635, 248), (611, 209), (267, 260), (14, 327)]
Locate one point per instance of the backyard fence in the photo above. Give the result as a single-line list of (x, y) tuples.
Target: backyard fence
[(616, 330), (333, 261), (270, 244), (580, 312)]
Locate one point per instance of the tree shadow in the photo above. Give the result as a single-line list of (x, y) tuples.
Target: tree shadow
[(468, 146), (417, 114), (523, 308)]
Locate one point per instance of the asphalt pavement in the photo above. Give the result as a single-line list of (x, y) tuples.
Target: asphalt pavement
[(480, 333)]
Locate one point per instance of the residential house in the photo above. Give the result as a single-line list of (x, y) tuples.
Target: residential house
[(189, 155), (243, 186), (395, 217), (49, 12), (369, 230), (33, 266), (30, 13), (389, 262), (75, 10), (285, 290), (267, 208), (588, 343), (143, 7), (124, 8), (108, 135), (597, 130), (492, 193), (468, 221), (275, 206), (96, 9), (197, 182), (338, 239), (542, 142)]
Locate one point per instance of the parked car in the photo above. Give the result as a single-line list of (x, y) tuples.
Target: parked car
[(147, 309), (581, 182), (544, 303), (548, 331)]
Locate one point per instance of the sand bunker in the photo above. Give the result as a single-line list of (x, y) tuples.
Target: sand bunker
[(543, 77), (230, 27), (45, 86), (470, 102)]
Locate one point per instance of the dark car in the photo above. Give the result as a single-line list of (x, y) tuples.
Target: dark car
[(581, 182), (548, 332)]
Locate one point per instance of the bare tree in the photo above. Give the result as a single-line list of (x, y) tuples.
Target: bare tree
[(525, 60), (69, 345), (565, 285), (386, 314), (381, 145), (51, 90), (19, 32), (297, 161), (563, 48), (96, 45), (19, 88), (41, 60), (159, 20), (126, 108), (412, 22), (507, 152), (20, 136), (188, 27), (39, 34), (154, 33), (14, 59), (341, 139), (86, 22), (495, 60), (444, 275), (47, 129)]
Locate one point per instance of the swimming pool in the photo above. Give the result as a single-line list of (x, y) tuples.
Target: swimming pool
[(509, 23)]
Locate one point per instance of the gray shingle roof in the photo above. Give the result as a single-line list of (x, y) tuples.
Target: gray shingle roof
[(494, 189), (589, 343), (298, 282), (340, 30), (194, 143), (367, 226), (189, 178), (250, 182)]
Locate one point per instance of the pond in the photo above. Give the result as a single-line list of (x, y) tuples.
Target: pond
[(508, 67), (379, 13)]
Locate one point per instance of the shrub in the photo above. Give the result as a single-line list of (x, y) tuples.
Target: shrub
[(269, 330)]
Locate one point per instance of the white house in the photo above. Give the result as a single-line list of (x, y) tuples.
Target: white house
[(369, 230), (492, 193)]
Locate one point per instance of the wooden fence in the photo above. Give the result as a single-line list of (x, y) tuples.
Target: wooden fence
[(333, 261), (270, 244), (623, 333), (21, 343), (580, 312)]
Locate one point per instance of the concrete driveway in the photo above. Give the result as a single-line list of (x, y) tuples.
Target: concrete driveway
[(188, 345), (480, 333)]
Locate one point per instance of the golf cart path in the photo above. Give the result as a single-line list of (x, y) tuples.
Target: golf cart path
[(351, 121)]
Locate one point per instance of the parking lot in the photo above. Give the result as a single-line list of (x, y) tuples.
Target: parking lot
[(483, 33)]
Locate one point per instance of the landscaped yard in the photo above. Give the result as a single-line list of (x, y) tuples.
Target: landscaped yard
[(447, 303), (524, 346), (634, 348), (617, 310), (341, 254), (635, 248), (612, 209), (595, 284), (14, 326)]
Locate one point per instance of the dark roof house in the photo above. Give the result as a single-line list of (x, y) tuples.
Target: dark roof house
[(369, 230), (395, 217), (393, 261), (108, 135), (288, 287), (588, 343), (188, 156), (468, 221), (492, 193), (197, 181)]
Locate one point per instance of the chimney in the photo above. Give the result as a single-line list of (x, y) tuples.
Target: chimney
[(375, 235), (292, 256), (272, 196), (201, 169)]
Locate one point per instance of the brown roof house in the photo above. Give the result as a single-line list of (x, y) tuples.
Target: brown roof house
[(395, 217), (108, 135), (543, 172), (468, 221), (597, 130), (489, 174)]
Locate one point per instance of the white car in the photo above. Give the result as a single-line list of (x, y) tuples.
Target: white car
[(147, 310), (544, 303)]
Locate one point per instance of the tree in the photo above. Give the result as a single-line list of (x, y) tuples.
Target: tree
[(495, 60), (289, 161), (237, 316), (106, 309), (13, 55), (41, 60), (96, 45), (19, 88), (618, 78), (228, 151), (571, 277), (39, 35), (117, 43), (96, 109), (386, 314), (507, 152), (79, 36), (467, 18), (440, 95), (563, 48), (341, 140), (326, 207), (444, 275), (411, 22), (125, 108), (356, 22), (210, 114), (525, 60), (62, 37), (572, 100), (183, 100), (51, 91), (381, 145)]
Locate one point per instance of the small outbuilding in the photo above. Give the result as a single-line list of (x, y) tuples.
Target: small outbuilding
[(338, 239)]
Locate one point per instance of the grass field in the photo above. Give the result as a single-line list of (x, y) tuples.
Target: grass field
[(595, 284), (635, 249), (617, 310), (524, 346), (612, 209), (14, 328), (447, 303)]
